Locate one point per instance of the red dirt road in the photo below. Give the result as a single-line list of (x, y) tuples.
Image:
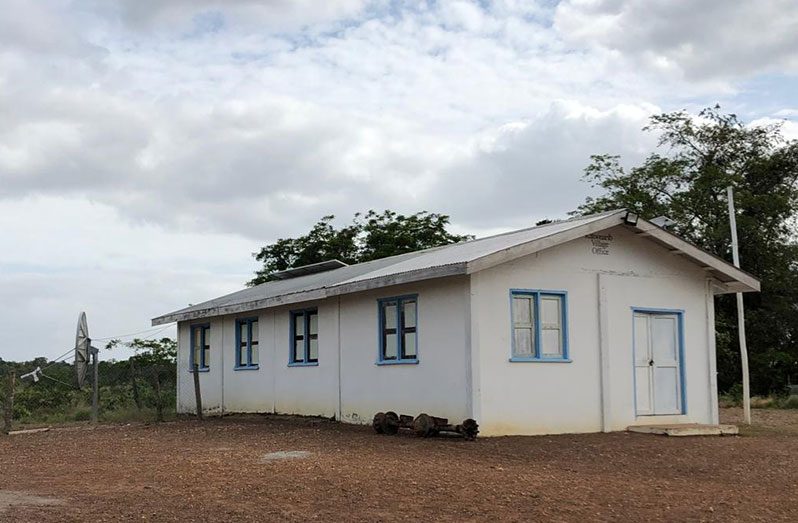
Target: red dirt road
[(215, 471)]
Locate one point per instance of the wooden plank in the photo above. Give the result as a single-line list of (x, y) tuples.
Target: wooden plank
[(197, 393)]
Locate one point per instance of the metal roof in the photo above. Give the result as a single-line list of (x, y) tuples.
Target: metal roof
[(311, 268), (449, 260)]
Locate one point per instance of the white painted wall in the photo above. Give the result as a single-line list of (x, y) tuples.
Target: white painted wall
[(464, 368), (547, 397), (437, 384)]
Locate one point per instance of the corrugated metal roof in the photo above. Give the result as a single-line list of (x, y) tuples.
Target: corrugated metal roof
[(454, 256), (448, 260)]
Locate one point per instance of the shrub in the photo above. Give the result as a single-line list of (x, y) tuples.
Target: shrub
[(790, 403)]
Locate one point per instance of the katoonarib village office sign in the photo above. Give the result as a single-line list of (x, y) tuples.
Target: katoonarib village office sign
[(600, 244)]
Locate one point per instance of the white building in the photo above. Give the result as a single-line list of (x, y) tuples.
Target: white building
[(590, 324)]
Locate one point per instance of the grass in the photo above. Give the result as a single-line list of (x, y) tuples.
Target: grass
[(82, 413), (760, 402)]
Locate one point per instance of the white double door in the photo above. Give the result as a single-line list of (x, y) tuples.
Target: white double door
[(657, 366)]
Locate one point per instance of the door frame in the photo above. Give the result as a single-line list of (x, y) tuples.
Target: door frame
[(679, 313)]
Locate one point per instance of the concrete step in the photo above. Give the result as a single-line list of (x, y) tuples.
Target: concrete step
[(686, 429)]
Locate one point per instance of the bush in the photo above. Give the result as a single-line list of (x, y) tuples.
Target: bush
[(763, 402), (790, 403)]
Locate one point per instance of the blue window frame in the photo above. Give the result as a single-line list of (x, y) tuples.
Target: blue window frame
[(539, 325), (304, 346), (398, 330), (200, 353), (246, 344)]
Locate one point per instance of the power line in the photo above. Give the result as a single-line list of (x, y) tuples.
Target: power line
[(55, 380), (159, 329)]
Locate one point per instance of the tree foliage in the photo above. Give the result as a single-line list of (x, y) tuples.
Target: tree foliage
[(369, 237), (125, 385), (699, 157)]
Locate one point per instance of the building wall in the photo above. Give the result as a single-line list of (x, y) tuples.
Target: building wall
[(436, 384), (548, 397), (464, 368)]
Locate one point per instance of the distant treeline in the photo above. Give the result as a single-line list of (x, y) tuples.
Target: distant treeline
[(128, 388)]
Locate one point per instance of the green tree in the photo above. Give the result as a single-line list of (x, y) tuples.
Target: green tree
[(369, 237), (687, 182)]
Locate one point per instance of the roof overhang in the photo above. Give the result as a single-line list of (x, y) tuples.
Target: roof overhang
[(430, 273), (726, 277)]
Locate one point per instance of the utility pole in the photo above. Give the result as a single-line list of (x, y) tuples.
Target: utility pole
[(740, 312)]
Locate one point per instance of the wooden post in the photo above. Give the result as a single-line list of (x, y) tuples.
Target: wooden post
[(740, 312), (8, 414), (95, 392), (158, 399), (197, 395), (134, 385)]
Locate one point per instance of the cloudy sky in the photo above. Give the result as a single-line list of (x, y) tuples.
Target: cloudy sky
[(147, 147)]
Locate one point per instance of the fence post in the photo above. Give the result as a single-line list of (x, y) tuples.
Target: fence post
[(8, 414), (158, 399), (134, 385), (197, 395)]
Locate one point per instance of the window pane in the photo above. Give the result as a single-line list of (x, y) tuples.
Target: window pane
[(197, 337), (299, 324), (524, 343), (550, 311), (254, 353), (299, 351), (254, 330), (207, 356), (409, 310), (313, 319), (522, 310), (389, 312), (242, 332), (314, 349), (195, 356), (551, 343), (390, 346), (410, 345)]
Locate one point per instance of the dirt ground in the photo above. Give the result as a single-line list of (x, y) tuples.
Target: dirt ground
[(267, 468)]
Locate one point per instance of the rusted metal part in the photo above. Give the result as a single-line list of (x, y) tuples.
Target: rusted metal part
[(423, 425)]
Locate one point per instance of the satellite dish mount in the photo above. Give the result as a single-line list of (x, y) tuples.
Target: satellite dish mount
[(86, 354)]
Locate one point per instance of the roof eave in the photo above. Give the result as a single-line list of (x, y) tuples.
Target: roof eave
[(730, 278), (428, 273)]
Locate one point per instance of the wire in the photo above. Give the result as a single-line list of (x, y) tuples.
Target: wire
[(56, 380), (64, 355), (132, 333)]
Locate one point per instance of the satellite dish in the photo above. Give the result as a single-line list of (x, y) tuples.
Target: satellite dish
[(82, 349), (663, 221)]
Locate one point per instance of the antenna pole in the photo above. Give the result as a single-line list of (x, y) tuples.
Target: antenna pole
[(8, 414), (95, 392), (740, 312)]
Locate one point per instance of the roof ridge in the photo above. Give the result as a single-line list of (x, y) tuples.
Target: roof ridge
[(542, 225)]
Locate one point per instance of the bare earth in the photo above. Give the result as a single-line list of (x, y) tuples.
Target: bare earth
[(267, 468)]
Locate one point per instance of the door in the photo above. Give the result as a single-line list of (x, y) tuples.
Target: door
[(658, 377)]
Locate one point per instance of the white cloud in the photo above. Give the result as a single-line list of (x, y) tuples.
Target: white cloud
[(532, 170), (62, 256), (220, 126), (703, 41)]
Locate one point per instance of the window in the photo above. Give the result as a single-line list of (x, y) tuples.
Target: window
[(200, 347), (398, 330), (247, 344), (539, 325), (304, 337)]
